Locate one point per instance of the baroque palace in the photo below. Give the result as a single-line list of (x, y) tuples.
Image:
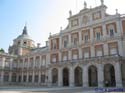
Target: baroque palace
[(89, 52)]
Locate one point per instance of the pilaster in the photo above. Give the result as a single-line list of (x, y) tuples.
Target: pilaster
[(71, 74), (60, 77), (85, 76), (100, 75), (118, 75)]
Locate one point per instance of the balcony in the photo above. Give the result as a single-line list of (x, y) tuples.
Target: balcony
[(106, 58), (74, 45)]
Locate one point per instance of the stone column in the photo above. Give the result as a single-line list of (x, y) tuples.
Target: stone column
[(69, 55), (33, 76), (60, 57), (49, 78), (22, 77), (28, 63), (104, 30), (34, 63), (80, 37), (27, 77), (118, 75), (17, 77), (92, 51), (80, 53), (119, 27), (91, 34), (69, 40), (71, 77), (11, 62), (120, 48), (105, 48), (60, 42), (39, 80), (85, 76), (2, 78), (3, 62), (100, 75), (60, 77), (10, 77), (40, 62)]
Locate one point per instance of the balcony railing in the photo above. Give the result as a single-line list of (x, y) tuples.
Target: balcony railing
[(115, 57), (93, 41)]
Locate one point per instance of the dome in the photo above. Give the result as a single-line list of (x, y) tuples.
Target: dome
[(23, 36)]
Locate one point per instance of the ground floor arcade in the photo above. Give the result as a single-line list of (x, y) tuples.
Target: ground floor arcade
[(85, 75)]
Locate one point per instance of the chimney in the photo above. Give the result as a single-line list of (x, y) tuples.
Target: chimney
[(47, 43), (38, 45)]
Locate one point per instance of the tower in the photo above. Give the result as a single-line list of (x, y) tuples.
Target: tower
[(22, 44)]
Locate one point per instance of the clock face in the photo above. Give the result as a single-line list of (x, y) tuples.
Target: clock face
[(85, 19)]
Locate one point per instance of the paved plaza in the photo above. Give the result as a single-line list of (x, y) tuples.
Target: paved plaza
[(47, 90), (50, 90)]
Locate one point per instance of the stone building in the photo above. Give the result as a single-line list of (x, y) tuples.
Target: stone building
[(89, 52)]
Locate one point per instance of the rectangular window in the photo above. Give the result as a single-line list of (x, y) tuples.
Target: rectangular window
[(111, 32), (19, 79), (14, 78), (65, 44), (6, 78), (36, 78), (54, 59), (75, 56), (113, 51), (86, 38), (99, 53), (30, 78), (64, 58), (98, 36), (43, 62), (24, 78), (86, 55), (42, 78), (75, 41)]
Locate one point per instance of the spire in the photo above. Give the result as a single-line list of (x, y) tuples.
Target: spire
[(25, 30), (70, 13), (85, 5), (102, 2)]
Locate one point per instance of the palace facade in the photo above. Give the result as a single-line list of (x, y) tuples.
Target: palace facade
[(89, 52)]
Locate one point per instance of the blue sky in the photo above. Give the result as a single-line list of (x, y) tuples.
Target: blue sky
[(42, 17)]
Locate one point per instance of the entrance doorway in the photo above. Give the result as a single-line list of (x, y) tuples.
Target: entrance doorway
[(65, 77)]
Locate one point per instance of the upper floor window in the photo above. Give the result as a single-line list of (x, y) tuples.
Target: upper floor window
[(98, 35), (86, 38), (19, 43), (75, 41), (55, 43), (54, 57), (75, 38), (43, 60), (111, 32), (111, 29), (86, 52), (99, 50), (74, 54), (74, 22), (65, 55), (113, 48), (97, 15), (65, 43), (24, 43), (97, 32), (85, 35)]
